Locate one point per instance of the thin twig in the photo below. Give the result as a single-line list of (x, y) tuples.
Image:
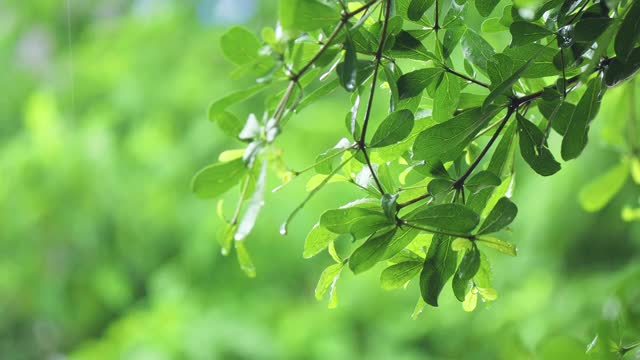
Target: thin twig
[(467, 78)]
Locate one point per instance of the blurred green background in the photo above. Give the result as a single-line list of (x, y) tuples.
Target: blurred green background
[(106, 254)]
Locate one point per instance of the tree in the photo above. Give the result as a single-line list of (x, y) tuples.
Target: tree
[(437, 172)]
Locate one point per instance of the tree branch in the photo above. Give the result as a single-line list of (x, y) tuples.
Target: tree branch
[(374, 81), (460, 182)]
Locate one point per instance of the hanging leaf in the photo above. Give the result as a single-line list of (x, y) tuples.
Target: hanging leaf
[(439, 266), (371, 252), (500, 216), (499, 245), (328, 280), (215, 180), (395, 128), (256, 202), (629, 32), (317, 240), (244, 259), (534, 151), (397, 275), (348, 75), (413, 83), (575, 138), (482, 180)]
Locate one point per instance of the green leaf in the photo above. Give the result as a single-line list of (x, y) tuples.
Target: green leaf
[(588, 29), (446, 141), (629, 32), (453, 218), (446, 98), (325, 162), (575, 139), (239, 45), (469, 264), (506, 85), (482, 180), (244, 259), (317, 240), (306, 15), (413, 83), (558, 113), (439, 189), (635, 170), (349, 73), (533, 150), (492, 25), (618, 71), (451, 39), (357, 218), (328, 280), (371, 252), (500, 245), (395, 128), (389, 203), (326, 89), (500, 216), (485, 7), (407, 46), (542, 65), (364, 71), (417, 8), (460, 287), (256, 202), (499, 68), (439, 266), (397, 275), (228, 123), (222, 104), (476, 49), (599, 191), (216, 179), (524, 32)]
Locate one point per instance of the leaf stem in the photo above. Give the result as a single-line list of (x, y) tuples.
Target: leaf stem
[(413, 201), (432, 231), (436, 26), (325, 181), (467, 78)]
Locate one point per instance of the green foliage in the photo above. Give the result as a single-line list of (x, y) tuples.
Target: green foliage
[(438, 128)]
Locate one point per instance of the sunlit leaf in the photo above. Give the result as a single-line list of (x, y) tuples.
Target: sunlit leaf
[(215, 180), (499, 245), (397, 275), (599, 191)]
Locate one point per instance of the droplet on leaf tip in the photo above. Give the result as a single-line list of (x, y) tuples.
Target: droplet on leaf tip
[(283, 229)]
